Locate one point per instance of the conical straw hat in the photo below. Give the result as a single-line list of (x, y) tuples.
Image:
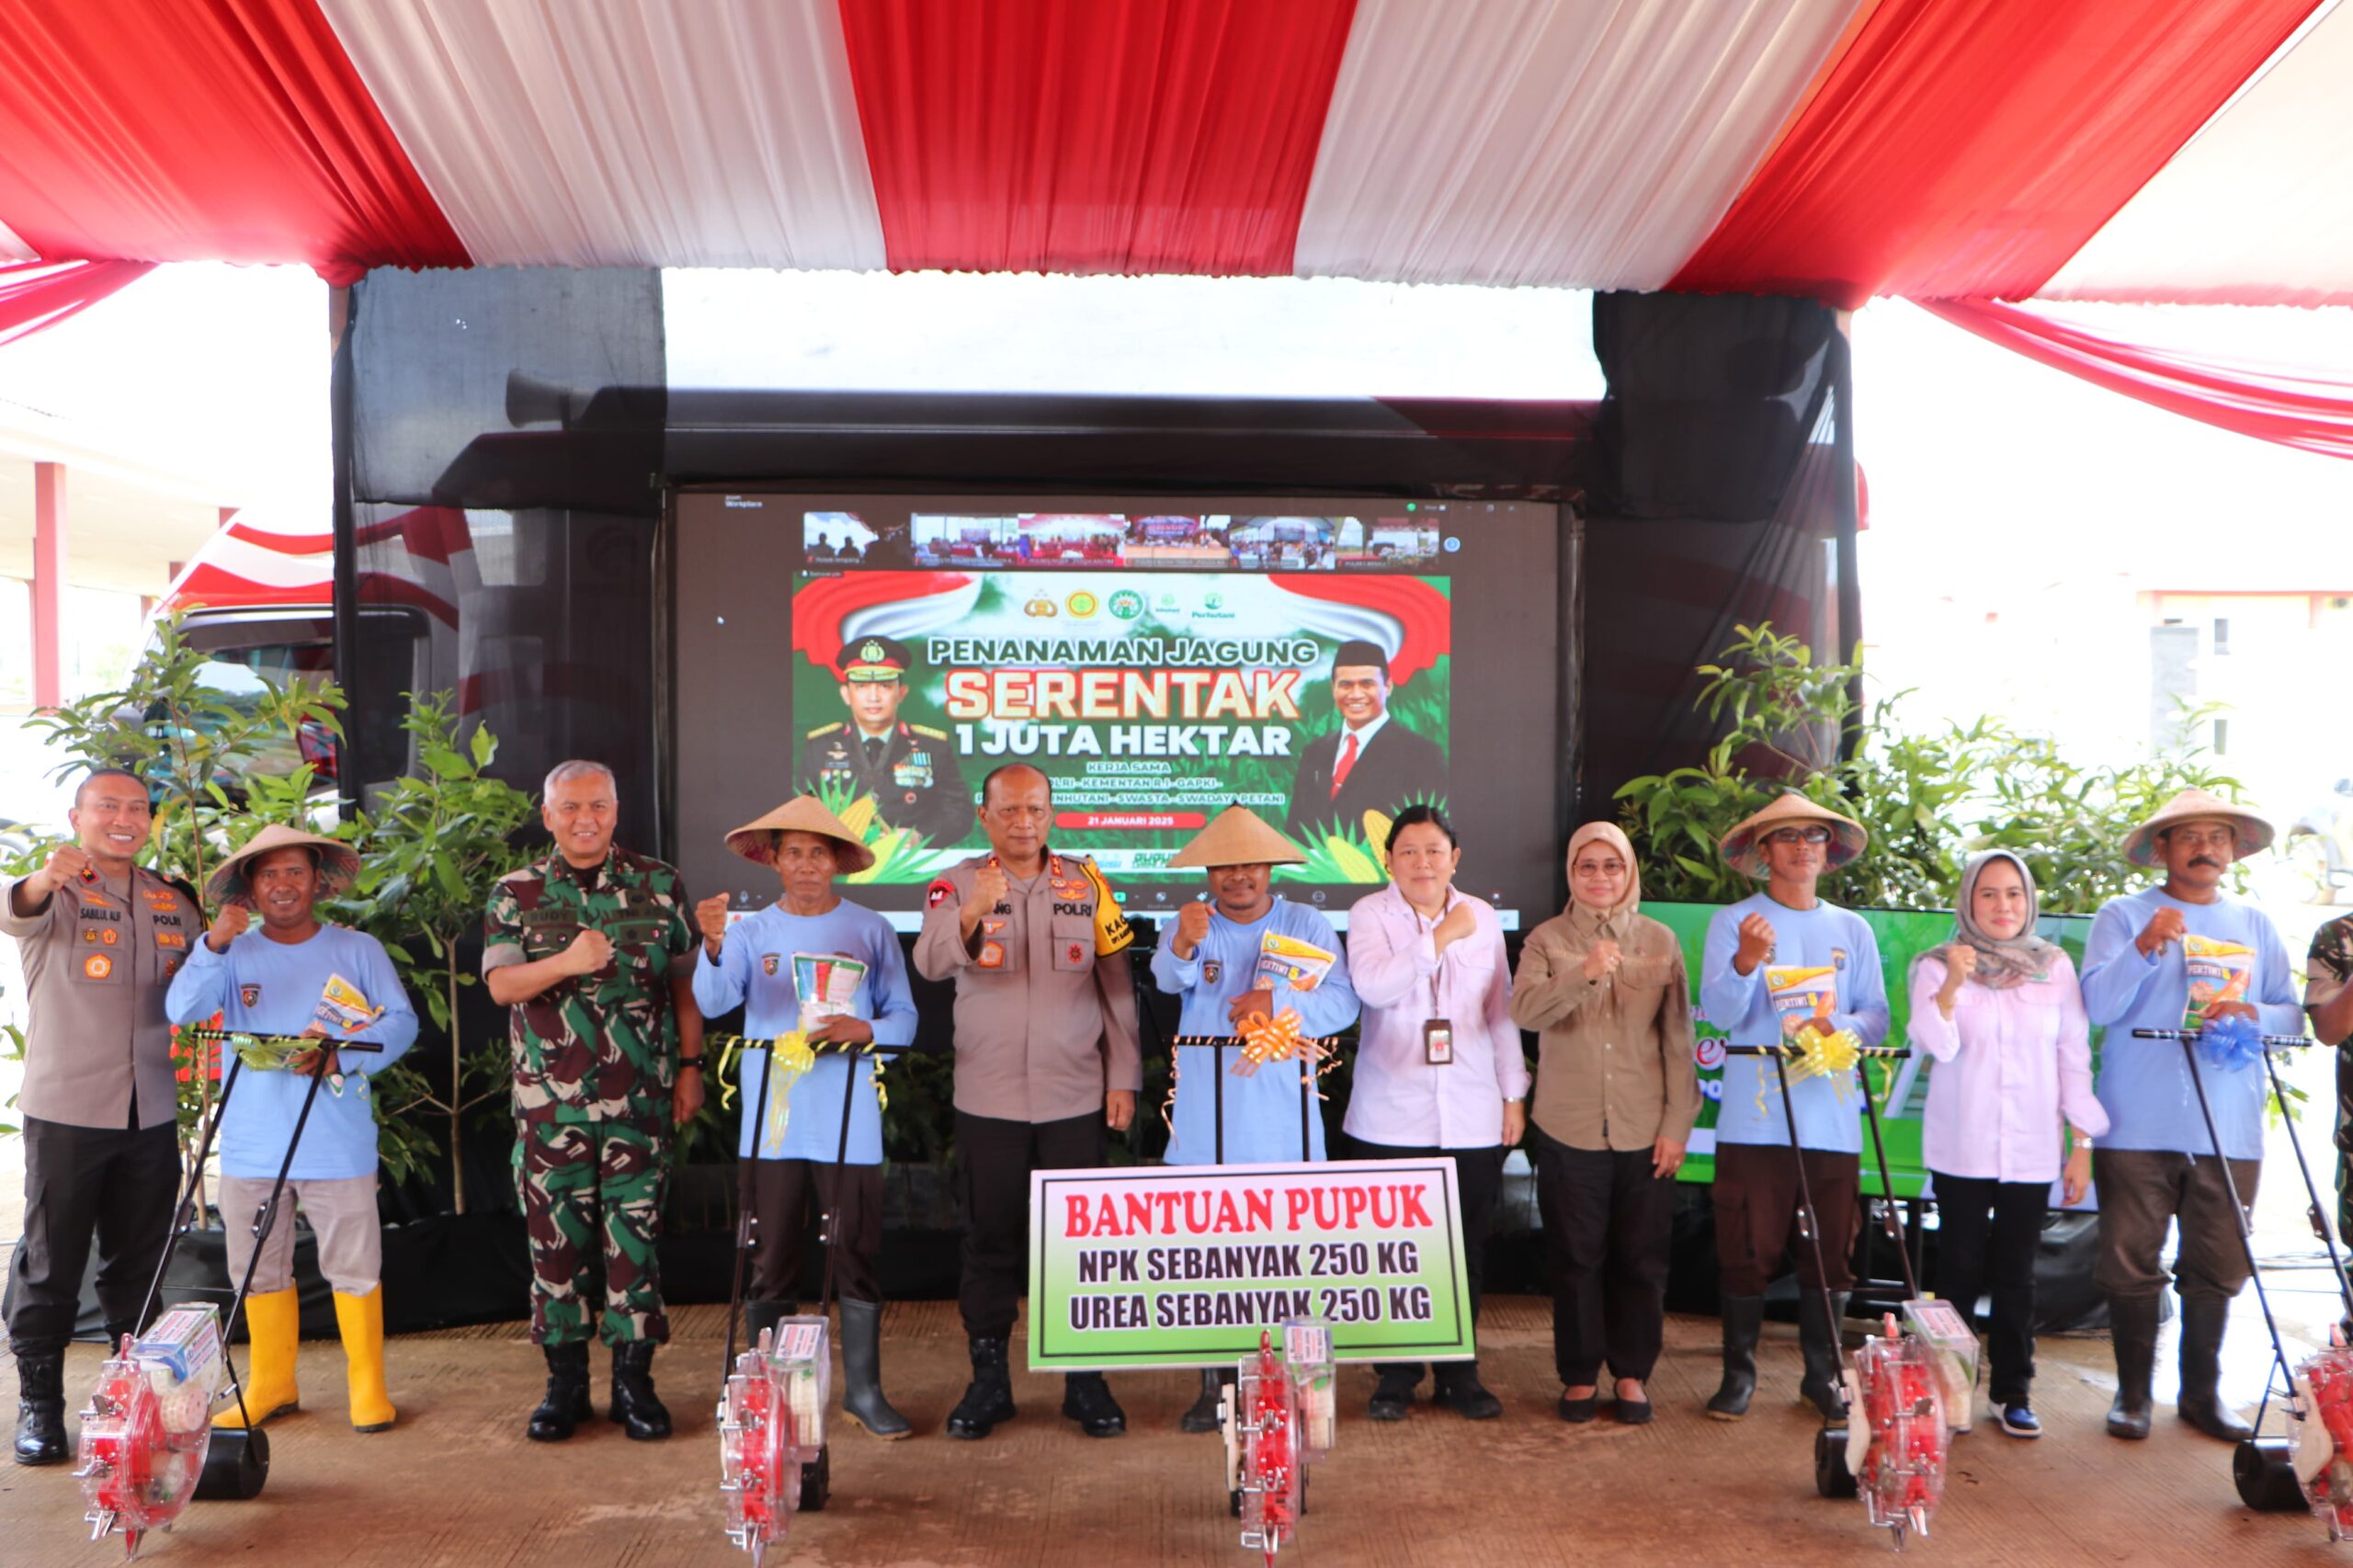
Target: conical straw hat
[(339, 862), (803, 813), (1743, 846), (2197, 805), (1236, 838)]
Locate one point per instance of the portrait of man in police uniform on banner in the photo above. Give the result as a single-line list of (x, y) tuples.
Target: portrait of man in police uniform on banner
[(909, 769)]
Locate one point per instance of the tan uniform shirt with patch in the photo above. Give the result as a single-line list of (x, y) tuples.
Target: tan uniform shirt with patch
[(1043, 1025), (98, 961), (1614, 1056)]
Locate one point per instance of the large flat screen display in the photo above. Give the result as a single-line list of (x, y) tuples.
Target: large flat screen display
[(1325, 661)]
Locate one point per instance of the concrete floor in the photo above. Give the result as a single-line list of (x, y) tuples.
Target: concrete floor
[(455, 1483)]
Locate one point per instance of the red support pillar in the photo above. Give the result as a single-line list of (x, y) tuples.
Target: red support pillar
[(48, 585)]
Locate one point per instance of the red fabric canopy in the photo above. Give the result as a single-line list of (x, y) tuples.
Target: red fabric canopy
[(229, 130), (1135, 136), (37, 294), (1967, 147), (2295, 410)]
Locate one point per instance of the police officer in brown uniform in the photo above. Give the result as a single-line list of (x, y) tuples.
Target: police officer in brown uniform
[(1046, 1059), (101, 939)]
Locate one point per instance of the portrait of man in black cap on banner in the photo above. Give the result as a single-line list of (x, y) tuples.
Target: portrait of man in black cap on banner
[(910, 769), (1371, 762)]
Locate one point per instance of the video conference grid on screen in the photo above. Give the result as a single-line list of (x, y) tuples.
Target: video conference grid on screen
[(1158, 659)]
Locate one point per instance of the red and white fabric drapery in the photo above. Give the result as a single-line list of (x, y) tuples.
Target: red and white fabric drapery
[(2292, 408), (1840, 148), (38, 294)]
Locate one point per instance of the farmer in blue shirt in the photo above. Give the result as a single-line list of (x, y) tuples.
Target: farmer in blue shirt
[(780, 964), (1216, 961), (1781, 964), (270, 981), (2156, 1166)]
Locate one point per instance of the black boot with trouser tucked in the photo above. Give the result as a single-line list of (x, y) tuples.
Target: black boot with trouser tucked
[(40, 1408), (566, 1405)]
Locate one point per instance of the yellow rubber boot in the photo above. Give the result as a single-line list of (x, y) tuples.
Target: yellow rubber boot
[(273, 1332), (361, 1319)]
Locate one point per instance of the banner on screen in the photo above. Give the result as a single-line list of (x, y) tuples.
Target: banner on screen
[(1183, 1265)]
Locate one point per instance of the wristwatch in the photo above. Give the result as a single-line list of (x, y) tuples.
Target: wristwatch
[(693, 1062)]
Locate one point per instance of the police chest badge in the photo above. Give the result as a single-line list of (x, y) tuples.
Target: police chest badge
[(250, 996), (1211, 969), (768, 962), (992, 954), (912, 771), (1075, 954), (1838, 958), (97, 965)]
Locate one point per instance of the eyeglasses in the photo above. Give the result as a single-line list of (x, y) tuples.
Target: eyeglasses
[(1799, 835)]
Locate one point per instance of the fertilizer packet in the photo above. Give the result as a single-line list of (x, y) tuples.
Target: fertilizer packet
[(802, 1366), (827, 985), (180, 1357), (1307, 1354), (1287, 960), (2219, 971), (343, 1009), (1802, 994), (1944, 1334)]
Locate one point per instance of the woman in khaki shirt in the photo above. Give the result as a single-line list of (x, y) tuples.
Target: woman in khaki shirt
[(1616, 1094)]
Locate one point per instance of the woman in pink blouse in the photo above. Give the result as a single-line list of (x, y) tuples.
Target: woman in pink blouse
[(1439, 1068), (1998, 1009)]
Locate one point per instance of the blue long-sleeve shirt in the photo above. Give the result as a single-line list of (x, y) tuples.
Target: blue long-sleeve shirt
[(1828, 1112), (2144, 1083), (755, 968), (1261, 1110), (271, 987)]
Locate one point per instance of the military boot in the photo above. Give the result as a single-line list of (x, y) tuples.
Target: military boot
[(40, 1408), (988, 1398), (1203, 1415), (635, 1409), (1087, 1399), (566, 1405)]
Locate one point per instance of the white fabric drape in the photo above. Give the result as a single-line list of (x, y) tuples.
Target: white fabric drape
[(2256, 209), (1587, 142), (627, 132)]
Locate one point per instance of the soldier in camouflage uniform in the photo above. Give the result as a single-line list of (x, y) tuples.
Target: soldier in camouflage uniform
[(2328, 997), (591, 949)]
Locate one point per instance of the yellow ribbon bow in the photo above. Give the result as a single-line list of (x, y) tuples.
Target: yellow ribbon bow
[(788, 1058), (1820, 1055), (1266, 1040)]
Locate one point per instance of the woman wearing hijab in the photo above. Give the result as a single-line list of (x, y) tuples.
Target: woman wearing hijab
[(1999, 1010), (1616, 1094)]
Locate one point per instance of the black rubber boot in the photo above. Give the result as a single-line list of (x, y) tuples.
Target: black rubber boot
[(635, 1407), (2132, 1325), (761, 1316), (1825, 1365), (1743, 1322), (862, 1398), (1087, 1399), (566, 1405), (40, 1408), (1202, 1416), (1394, 1394), (1459, 1389), (2203, 1318), (988, 1398)]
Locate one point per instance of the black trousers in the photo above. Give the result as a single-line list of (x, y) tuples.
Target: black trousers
[(1479, 1174), (993, 1159), (79, 1181), (1987, 1233), (1606, 1221), (789, 1200)]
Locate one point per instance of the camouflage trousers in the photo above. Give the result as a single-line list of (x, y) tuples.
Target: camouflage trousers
[(592, 1211)]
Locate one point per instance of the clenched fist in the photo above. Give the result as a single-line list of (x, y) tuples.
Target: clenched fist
[(2164, 926), (1602, 959), (1192, 930), (590, 951), (1755, 943), (711, 918), (989, 887), (228, 926), (67, 863), (1458, 923)]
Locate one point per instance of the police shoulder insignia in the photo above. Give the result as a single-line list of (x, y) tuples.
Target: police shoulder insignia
[(824, 729), (927, 732), (939, 892)]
